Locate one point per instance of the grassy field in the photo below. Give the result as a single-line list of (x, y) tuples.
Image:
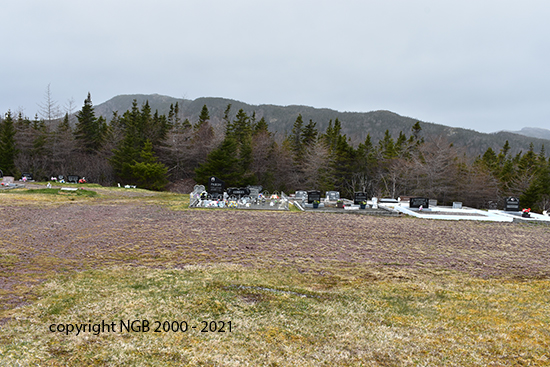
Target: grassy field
[(133, 278)]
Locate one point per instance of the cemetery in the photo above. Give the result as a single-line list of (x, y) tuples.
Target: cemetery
[(7, 183), (427, 209), (251, 197)]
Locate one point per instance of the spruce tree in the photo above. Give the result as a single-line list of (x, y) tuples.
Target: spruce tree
[(222, 162), (90, 131), (309, 134), (147, 172), (133, 160), (261, 127), (295, 140), (8, 150), (203, 117)]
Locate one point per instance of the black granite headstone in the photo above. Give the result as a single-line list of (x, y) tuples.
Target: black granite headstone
[(359, 197), (1, 174), (216, 187), (512, 204), (238, 192), (418, 202), (313, 195)]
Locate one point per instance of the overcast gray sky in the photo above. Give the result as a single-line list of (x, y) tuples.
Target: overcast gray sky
[(482, 65)]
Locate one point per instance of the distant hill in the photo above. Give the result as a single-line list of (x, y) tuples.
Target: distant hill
[(356, 125), (534, 132)]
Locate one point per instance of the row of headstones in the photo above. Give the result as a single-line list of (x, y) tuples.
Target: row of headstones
[(511, 204), (315, 195), (216, 189), (28, 177)]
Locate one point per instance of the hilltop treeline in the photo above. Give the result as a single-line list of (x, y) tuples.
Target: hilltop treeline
[(144, 148)]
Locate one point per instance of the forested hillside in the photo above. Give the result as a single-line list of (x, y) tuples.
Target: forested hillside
[(243, 146), (355, 125)]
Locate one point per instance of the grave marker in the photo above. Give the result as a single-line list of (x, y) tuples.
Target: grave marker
[(313, 195), (26, 177), (359, 197), (238, 192), (216, 187), (255, 191), (73, 178), (301, 195), (512, 204), (333, 195), (419, 202)]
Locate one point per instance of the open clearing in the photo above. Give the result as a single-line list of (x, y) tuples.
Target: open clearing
[(302, 289)]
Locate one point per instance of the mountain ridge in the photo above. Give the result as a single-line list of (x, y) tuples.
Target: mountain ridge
[(356, 125)]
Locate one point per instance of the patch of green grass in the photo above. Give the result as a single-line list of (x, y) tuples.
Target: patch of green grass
[(53, 191), (278, 317)]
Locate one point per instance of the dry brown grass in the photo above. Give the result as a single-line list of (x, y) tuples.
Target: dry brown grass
[(356, 290)]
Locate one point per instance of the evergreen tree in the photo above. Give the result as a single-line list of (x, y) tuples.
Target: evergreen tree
[(309, 134), (133, 160), (386, 146), (241, 132), (90, 131), (148, 173), (416, 130), (295, 140), (203, 117), (222, 162), (8, 150), (261, 127), (490, 159)]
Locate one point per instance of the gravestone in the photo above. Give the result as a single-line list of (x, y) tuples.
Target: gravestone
[(72, 178), (216, 187), (418, 202), (255, 191), (432, 202), (238, 192), (313, 195), (359, 197), (512, 204), (457, 205), (28, 176), (7, 180), (301, 195), (1, 174), (333, 195)]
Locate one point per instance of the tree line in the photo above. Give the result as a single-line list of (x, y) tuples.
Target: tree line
[(144, 148)]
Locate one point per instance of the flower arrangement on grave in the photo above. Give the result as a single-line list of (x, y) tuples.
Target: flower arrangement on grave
[(339, 203), (363, 204), (526, 213)]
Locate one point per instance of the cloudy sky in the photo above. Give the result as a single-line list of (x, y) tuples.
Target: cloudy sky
[(482, 64)]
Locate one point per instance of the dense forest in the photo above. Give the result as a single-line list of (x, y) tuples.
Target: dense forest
[(151, 150)]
